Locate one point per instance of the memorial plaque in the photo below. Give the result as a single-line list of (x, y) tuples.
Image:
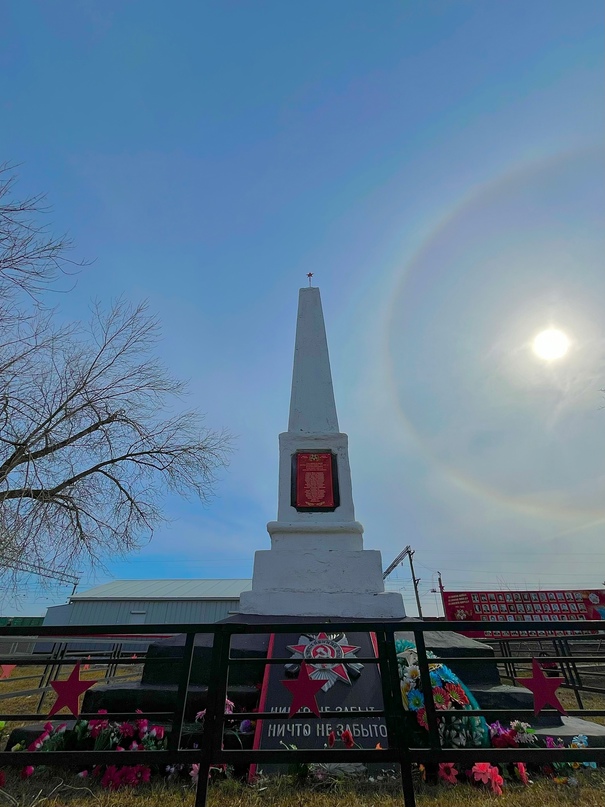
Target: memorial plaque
[(314, 482), (349, 688)]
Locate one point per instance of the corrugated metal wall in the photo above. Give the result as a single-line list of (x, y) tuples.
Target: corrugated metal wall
[(118, 612)]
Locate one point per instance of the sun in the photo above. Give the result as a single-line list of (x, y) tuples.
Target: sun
[(551, 344)]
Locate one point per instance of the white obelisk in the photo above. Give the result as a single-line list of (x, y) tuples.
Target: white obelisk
[(317, 565)]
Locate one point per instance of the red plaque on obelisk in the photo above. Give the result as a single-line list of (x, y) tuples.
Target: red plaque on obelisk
[(314, 486)]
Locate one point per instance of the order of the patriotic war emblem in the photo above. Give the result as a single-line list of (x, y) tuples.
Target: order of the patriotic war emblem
[(329, 655)]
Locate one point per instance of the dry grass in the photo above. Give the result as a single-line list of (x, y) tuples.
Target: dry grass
[(590, 700), (71, 792), (28, 704), (280, 793)]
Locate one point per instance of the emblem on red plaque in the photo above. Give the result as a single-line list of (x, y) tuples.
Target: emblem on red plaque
[(329, 657), (314, 483)]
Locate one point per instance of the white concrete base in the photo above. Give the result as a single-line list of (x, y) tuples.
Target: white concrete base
[(318, 571), (387, 605), (320, 582), (316, 537)]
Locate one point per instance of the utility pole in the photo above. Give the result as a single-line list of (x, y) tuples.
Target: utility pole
[(407, 552), (415, 581)]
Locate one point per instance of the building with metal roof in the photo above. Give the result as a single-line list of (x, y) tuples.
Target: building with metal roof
[(152, 602)]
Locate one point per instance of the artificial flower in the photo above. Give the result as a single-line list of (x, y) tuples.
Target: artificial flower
[(481, 772), (347, 738), (126, 730), (421, 718), (415, 700), (331, 739), (508, 739), (448, 772), (413, 673), (456, 693), (441, 698), (447, 675), (525, 734), (435, 679), (194, 772), (27, 771), (246, 727), (522, 771), (496, 780)]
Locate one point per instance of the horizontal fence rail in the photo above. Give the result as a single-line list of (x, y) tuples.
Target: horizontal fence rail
[(211, 751)]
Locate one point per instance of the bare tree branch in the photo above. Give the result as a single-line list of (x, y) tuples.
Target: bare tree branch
[(91, 436)]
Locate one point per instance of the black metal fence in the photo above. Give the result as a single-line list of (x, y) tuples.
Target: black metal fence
[(562, 654), (400, 750)]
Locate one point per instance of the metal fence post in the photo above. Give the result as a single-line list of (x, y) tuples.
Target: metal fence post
[(427, 689), (212, 739), (394, 712), (181, 697)]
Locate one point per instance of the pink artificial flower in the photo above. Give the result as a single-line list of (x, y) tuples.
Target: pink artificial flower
[(229, 706), (128, 776), (126, 730), (421, 718), (441, 698), (481, 772), (448, 772), (522, 771), (144, 772), (48, 727), (142, 726), (134, 746), (97, 726), (496, 781), (111, 779), (158, 731), (83, 774), (201, 715), (119, 748), (195, 772), (27, 771)]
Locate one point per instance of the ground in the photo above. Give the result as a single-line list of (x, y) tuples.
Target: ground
[(72, 792), (591, 793)]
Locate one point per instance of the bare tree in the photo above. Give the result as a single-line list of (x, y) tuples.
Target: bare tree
[(91, 434)]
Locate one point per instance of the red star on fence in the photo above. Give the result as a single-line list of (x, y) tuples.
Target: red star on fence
[(304, 692), (69, 691), (7, 670), (543, 688)]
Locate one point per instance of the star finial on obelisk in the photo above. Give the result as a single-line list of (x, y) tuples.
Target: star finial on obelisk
[(309, 275)]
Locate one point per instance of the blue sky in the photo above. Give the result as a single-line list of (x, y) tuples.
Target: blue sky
[(436, 164)]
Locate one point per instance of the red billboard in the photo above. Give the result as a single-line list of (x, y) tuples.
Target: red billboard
[(493, 609)]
